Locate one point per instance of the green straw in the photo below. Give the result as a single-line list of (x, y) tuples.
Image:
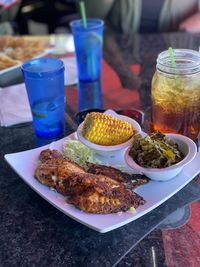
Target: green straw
[(171, 54), (83, 14), (177, 82)]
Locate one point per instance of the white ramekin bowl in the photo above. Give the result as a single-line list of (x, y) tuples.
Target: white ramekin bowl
[(186, 146), (109, 150)]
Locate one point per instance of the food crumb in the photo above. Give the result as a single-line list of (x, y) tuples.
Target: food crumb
[(52, 189), (132, 210)]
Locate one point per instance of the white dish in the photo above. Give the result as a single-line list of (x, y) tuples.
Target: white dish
[(155, 193), (109, 150), (186, 146), (71, 75)]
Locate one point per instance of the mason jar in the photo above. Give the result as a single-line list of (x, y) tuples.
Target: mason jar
[(175, 93)]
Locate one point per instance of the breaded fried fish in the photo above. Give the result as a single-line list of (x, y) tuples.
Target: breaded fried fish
[(132, 180), (50, 154), (81, 182), (106, 191), (54, 171), (101, 197)]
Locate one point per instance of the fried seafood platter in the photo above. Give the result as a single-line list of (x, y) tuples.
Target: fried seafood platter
[(16, 50), (95, 189)]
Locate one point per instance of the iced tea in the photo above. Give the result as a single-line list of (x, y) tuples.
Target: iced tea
[(176, 95)]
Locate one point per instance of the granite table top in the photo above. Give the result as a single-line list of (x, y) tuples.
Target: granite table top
[(34, 233)]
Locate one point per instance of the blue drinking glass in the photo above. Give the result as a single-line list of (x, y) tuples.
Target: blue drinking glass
[(88, 43), (44, 81), (90, 95)]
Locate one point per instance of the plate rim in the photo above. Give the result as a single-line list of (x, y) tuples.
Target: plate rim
[(42, 54)]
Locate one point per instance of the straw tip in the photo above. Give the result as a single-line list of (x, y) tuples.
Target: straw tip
[(83, 13), (171, 54)]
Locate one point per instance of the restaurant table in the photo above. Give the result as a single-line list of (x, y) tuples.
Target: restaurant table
[(34, 233)]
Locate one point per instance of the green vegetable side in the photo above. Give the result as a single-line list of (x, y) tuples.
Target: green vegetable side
[(155, 151)]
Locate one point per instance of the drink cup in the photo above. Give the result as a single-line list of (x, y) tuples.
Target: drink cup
[(88, 42), (44, 81), (176, 94)]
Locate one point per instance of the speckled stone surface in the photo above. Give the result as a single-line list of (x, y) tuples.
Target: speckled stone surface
[(34, 233), (149, 252)]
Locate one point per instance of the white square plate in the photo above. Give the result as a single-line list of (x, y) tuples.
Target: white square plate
[(155, 193)]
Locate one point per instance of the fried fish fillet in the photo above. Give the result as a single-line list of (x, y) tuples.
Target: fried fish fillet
[(132, 180), (54, 171), (102, 197), (81, 182), (50, 154), (93, 193)]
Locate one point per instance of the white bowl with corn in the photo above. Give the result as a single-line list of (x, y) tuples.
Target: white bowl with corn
[(107, 133)]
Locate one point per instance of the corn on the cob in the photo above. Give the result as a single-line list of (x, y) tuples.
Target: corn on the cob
[(104, 129)]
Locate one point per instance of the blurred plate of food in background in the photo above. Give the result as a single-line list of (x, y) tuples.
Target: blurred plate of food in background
[(16, 50)]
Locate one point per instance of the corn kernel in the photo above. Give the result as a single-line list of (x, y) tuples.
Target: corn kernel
[(104, 129)]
